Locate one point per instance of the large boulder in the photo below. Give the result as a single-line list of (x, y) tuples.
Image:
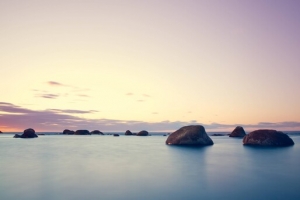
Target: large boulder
[(28, 133), (265, 137), (142, 133), (0, 131), (82, 132), (238, 132), (128, 132), (68, 132), (97, 132), (189, 135)]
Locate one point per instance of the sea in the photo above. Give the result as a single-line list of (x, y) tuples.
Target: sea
[(104, 167)]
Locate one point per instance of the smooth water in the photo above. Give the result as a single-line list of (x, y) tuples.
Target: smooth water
[(130, 167)]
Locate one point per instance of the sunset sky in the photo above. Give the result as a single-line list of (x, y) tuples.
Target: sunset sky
[(155, 65)]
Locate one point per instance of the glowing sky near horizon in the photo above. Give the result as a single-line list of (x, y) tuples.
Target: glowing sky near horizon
[(203, 61)]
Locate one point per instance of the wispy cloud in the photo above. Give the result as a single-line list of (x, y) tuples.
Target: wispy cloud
[(5, 104), (10, 108), (141, 100), (48, 96), (72, 111), (54, 93), (83, 95), (143, 95), (54, 83), (74, 88)]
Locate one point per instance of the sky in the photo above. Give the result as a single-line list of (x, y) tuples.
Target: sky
[(155, 65)]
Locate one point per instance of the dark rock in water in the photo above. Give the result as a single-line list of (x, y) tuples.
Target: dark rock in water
[(68, 132), (82, 132), (189, 135), (164, 135), (128, 132), (217, 134), (1, 132), (28, 133), (116, 135), (238, 132), (71, 132), (97, 132), (265, 137), (142, 133), (17, 136), (65, 131)]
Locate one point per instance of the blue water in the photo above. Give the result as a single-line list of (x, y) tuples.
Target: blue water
[(130, 167)]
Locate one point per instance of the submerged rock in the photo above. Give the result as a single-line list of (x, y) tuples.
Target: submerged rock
[(142, 133), (116, 135), (189, 135), (128, 132), (28, 133), (266, 137), (68, 132), (97, 132), (238, 132), (82, 132)]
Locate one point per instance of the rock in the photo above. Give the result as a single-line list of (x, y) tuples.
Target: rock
[(128, 132), (116, 135), (17, 136), (217, 134), (189, 135), (164, 135), (0, 131), (28, 133), (97, 132), (142, 133), (71, 133), (68, 132), (65, 131), (82, 132), (238, 132), (265, 137)]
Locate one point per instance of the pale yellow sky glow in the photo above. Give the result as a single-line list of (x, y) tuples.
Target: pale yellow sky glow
[(157, 63)]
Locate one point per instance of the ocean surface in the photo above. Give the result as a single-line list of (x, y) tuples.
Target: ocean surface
[(73, 167)]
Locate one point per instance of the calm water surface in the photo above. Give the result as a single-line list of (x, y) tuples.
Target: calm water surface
[(130, 167)]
